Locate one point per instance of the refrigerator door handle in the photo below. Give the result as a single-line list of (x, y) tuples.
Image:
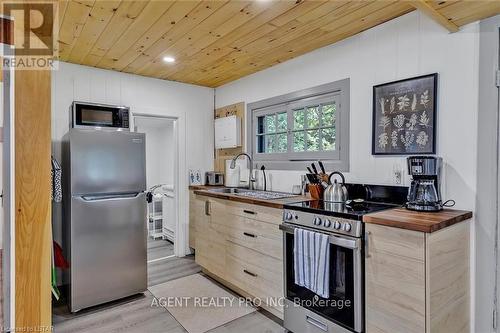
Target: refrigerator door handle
[(109, 196)]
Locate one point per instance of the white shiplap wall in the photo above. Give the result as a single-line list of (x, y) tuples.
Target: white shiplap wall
[(192, 105), (410, 45)]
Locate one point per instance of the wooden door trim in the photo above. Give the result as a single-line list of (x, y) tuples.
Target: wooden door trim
[(7, 80), (33, 239)]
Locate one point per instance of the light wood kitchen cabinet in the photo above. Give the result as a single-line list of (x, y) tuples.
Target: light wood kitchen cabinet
[(417, 281), (197, 215), (209, 238), (240, 244)]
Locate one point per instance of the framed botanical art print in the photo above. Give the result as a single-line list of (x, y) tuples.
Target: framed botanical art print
[(404, 116)]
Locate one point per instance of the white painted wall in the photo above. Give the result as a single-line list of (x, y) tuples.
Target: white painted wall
[(160, 149), (191, 105), (408, 46)]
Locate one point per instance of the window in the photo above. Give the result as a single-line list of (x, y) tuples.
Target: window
[(290, 131)]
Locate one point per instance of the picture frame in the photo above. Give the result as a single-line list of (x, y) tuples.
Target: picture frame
[(405, 116)]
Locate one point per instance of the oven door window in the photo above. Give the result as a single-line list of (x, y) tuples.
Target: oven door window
[(340, 307)]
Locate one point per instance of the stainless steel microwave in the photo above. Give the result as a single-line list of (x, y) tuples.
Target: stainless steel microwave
[(100, 116)]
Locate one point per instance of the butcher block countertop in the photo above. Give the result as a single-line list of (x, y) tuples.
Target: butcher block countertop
[(203, 190), (418, 221)]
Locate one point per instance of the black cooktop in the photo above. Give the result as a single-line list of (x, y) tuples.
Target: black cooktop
[(374, 197), (354, 211)]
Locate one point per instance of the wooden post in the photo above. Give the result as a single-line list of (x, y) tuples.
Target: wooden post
[(32, 199)]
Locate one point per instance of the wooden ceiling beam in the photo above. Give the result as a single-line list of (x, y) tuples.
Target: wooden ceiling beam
[(434, 14)]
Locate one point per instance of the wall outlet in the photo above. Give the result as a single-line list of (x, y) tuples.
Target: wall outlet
[(397, 173)]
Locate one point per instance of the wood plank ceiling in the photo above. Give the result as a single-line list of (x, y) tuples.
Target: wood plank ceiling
[(215, 42)]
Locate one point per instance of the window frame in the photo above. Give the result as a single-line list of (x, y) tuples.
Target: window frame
[(337, 159)]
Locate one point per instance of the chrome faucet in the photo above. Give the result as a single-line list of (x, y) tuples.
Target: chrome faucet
[(251, 178)]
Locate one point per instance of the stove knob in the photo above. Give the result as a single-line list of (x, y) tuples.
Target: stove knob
[(347, 227), (317, 221), (336, 225), (288, 216), (327, 223)]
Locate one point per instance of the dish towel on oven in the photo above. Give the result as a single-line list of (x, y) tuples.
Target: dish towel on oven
[(312, 261)]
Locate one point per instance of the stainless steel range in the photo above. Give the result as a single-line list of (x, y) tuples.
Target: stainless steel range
[(343, 311)]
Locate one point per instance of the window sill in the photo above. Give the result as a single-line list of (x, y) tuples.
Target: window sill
[(330, 165)]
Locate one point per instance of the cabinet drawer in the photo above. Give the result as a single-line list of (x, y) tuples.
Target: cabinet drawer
[(249, 278), (260, 236), (259, 213), (255, 227), (272, 268), (251, 239), (400, 242), (250, 275)]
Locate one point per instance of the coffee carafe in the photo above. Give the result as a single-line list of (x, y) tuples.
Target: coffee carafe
[(424, 193)]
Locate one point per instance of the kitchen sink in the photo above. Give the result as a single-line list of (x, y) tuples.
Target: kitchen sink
[(262, 195)]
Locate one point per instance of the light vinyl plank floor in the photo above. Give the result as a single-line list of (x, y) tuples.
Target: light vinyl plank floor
[(137, 315), (159, 248)]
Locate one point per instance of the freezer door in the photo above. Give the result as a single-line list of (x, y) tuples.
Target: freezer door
[(108, 248), (107, 161)]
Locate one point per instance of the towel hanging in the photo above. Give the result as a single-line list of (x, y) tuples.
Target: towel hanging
[(56, 173), (312, 261)]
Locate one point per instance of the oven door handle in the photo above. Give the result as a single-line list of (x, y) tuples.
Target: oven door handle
[(317, 323), (348, 243)]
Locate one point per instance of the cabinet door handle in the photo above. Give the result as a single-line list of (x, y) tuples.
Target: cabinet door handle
[(249, 273), (367, 249), (207, 208), (248, 212), (249, 235)]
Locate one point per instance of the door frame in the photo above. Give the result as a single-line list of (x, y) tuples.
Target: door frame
[(485, 240), (497, 229), (181, 232), (497, 234), (8, 188)]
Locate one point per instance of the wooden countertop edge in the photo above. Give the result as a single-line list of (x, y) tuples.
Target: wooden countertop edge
[(404, 222), (266, 203), (204, 187)]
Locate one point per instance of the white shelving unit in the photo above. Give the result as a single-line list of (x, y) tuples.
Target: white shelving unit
[(161, 213), (169, 215), (155, 215)]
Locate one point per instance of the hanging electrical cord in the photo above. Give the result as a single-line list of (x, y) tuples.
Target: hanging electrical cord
[(263, 168)]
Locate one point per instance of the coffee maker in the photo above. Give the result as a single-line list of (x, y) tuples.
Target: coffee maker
[(424, 193)]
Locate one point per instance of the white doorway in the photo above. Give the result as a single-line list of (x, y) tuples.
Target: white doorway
[(161, 163)]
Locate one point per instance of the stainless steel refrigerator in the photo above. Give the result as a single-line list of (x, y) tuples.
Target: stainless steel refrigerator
[(104, 179)]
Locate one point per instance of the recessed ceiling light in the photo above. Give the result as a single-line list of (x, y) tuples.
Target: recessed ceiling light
[(169, 59)]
